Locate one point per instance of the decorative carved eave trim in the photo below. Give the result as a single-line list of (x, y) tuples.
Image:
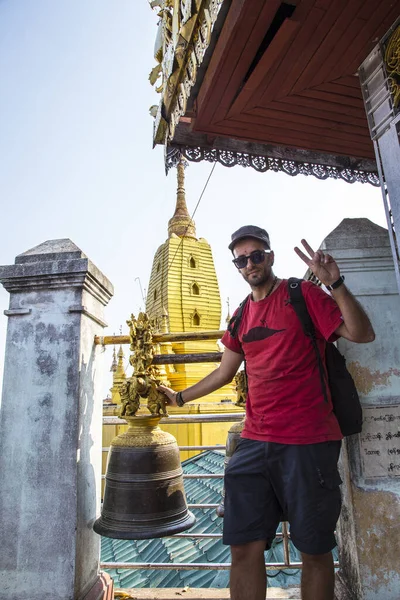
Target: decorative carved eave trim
[(266, 163), (264, 157)]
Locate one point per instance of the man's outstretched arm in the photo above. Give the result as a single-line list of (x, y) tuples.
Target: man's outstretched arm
[(224, 374), (356, 326)]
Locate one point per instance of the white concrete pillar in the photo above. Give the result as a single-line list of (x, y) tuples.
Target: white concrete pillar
[(51, 424), (369, 527)]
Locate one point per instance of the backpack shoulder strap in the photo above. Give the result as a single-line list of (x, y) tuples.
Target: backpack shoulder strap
[(234, 323), (299, 305), (300, 308)]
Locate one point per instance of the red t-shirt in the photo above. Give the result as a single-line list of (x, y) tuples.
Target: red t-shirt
[(285, 402)]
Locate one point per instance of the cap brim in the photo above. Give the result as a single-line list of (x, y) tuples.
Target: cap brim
[(244, 237)]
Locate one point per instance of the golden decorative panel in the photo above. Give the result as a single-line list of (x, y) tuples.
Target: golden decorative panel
[(392, 63), (183, 35)]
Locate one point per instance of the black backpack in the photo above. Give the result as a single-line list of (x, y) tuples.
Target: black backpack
[(345, 400)]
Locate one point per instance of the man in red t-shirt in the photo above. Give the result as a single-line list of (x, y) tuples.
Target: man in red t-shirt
[(285, 465)]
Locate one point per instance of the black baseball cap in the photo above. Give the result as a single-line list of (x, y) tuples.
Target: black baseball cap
[(249, 231)]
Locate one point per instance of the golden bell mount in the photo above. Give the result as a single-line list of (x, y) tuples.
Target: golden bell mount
[(186, 336), (181, 223)]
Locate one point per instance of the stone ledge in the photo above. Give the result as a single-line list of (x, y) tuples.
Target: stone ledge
[(48, 275), (103, 588), (197, 594), (55, 264)]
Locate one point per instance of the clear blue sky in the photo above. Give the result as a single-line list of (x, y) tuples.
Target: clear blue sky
[(77, 159)]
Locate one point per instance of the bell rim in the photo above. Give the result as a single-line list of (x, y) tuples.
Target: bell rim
[(165, 530)]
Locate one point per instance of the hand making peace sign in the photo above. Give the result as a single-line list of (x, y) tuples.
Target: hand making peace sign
[(322, 265)]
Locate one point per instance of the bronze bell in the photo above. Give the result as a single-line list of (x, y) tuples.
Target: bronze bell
[(144, 495), (231, 443)]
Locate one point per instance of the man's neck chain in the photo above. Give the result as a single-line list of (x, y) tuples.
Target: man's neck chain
[(271, 288)]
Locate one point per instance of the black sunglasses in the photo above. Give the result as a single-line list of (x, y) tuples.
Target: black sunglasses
[(256, 257)]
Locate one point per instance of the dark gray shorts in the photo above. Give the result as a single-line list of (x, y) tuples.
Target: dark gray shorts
[(266, 483)]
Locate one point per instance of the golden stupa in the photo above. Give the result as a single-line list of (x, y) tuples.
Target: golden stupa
[(183, 296)]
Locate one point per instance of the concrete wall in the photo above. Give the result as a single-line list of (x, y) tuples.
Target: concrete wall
[(369, 528)]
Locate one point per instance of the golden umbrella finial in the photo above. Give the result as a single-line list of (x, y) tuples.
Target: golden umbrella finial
[(181, 223)]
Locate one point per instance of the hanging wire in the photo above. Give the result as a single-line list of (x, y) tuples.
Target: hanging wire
[(141, 290), (191, 218)]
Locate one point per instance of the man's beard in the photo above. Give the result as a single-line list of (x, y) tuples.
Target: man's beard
[(257, 279)]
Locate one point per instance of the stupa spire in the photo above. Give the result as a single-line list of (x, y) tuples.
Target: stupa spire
[(120, 371), (181, 224), (113, 367), (119, 376)]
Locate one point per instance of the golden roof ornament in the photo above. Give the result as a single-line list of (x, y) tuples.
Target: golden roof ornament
[(241, 388), (120, 371), (392, 63), (119, 376), (181, 223), (228, 316), (164, 320), (113, 367)]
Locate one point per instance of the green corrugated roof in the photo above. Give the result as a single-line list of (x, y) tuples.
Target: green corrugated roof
[(203, 550)]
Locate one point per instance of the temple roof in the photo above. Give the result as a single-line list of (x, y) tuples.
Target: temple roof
[(273, 85)]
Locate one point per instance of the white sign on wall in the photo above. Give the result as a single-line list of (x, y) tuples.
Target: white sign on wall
[(380, 441)]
